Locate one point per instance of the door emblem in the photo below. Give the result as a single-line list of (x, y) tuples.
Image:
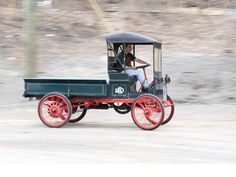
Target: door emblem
[(119, 90)]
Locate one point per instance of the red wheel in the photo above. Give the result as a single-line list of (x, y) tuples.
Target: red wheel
[(54, 110), (169, 110), (147, 112)]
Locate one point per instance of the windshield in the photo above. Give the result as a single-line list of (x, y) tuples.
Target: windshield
[(157, 60)]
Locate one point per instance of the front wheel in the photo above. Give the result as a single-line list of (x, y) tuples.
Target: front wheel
[(147, 112)]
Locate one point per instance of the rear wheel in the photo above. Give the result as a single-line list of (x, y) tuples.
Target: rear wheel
[(78, 114), (169, 110), (121, 108), (54, 110), (147, 112)]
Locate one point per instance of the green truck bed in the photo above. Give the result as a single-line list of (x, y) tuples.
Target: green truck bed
[(67, 86)]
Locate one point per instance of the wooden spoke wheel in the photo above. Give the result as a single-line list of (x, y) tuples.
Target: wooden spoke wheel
[(122, 108), (147, 112), (54, 110), (78, 114), (169, 110)]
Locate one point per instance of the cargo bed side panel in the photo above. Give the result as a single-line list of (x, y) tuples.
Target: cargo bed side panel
[(83, 88)]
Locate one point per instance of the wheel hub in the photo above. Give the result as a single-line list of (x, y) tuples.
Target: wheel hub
[(147, 112), (54, 111)]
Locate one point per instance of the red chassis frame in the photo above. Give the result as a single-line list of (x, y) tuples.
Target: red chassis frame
[(87, 102)]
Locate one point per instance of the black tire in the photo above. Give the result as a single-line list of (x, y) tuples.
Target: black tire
[(123, 109), (74, 109), (81, 116), (167, 118)]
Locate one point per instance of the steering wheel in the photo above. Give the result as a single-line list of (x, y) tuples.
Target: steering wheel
[(142, 66)]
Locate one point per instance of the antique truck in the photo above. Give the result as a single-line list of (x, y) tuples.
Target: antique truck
[(67, 100)]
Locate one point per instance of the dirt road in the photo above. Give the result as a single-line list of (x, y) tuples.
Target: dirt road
[(197, 134)]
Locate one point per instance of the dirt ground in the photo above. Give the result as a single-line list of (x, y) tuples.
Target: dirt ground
[(199, 132), (198, 54)]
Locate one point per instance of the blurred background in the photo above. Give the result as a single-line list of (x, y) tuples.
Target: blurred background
[(66, 39)]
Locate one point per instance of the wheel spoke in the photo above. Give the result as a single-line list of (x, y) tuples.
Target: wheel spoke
[(141, 105), (48, 105), (63, 117), (58, 100), (151, 120), (63, 107)]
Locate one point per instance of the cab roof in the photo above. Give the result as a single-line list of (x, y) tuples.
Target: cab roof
[(130, 37)]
